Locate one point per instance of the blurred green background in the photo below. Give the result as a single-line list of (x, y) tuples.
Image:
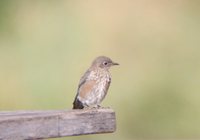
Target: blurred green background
[(46, 45)]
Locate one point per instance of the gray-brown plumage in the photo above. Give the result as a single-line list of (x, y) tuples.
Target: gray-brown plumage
[(94, 84)]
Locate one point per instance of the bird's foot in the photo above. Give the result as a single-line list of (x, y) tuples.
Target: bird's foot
[(104, 108), (88, 107), (96, 107), (100, 107)]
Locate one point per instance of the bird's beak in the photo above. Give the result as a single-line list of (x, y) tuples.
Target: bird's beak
[(115, 63)]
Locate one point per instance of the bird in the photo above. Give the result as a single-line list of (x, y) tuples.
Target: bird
[(94, 84)]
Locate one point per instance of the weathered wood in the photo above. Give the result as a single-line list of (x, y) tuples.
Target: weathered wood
[(18, 125)]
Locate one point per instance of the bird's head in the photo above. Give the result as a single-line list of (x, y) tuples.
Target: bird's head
[(103, 62)]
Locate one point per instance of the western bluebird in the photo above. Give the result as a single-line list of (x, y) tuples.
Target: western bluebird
[(94, 84)]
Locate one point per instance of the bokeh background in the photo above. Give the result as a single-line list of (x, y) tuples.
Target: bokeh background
[(46, 45)]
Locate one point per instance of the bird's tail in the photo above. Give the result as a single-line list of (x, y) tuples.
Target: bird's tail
[(77, 104)]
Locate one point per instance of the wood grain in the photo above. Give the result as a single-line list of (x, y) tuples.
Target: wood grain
[(20, 125)]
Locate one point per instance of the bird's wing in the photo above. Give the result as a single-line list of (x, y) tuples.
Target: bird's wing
[(86, 88), (84, 85), (83, 78)]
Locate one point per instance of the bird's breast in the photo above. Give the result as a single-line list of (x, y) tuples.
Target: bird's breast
[(102, 85)]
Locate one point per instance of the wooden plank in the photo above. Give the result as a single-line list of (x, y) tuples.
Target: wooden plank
[(20, 125)]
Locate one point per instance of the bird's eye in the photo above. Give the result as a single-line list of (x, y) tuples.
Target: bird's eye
[(105, 63)]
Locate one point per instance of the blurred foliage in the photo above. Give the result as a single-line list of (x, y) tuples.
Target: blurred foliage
[(45, 47)]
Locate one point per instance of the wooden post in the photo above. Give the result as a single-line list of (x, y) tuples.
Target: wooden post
[(18, 125)]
